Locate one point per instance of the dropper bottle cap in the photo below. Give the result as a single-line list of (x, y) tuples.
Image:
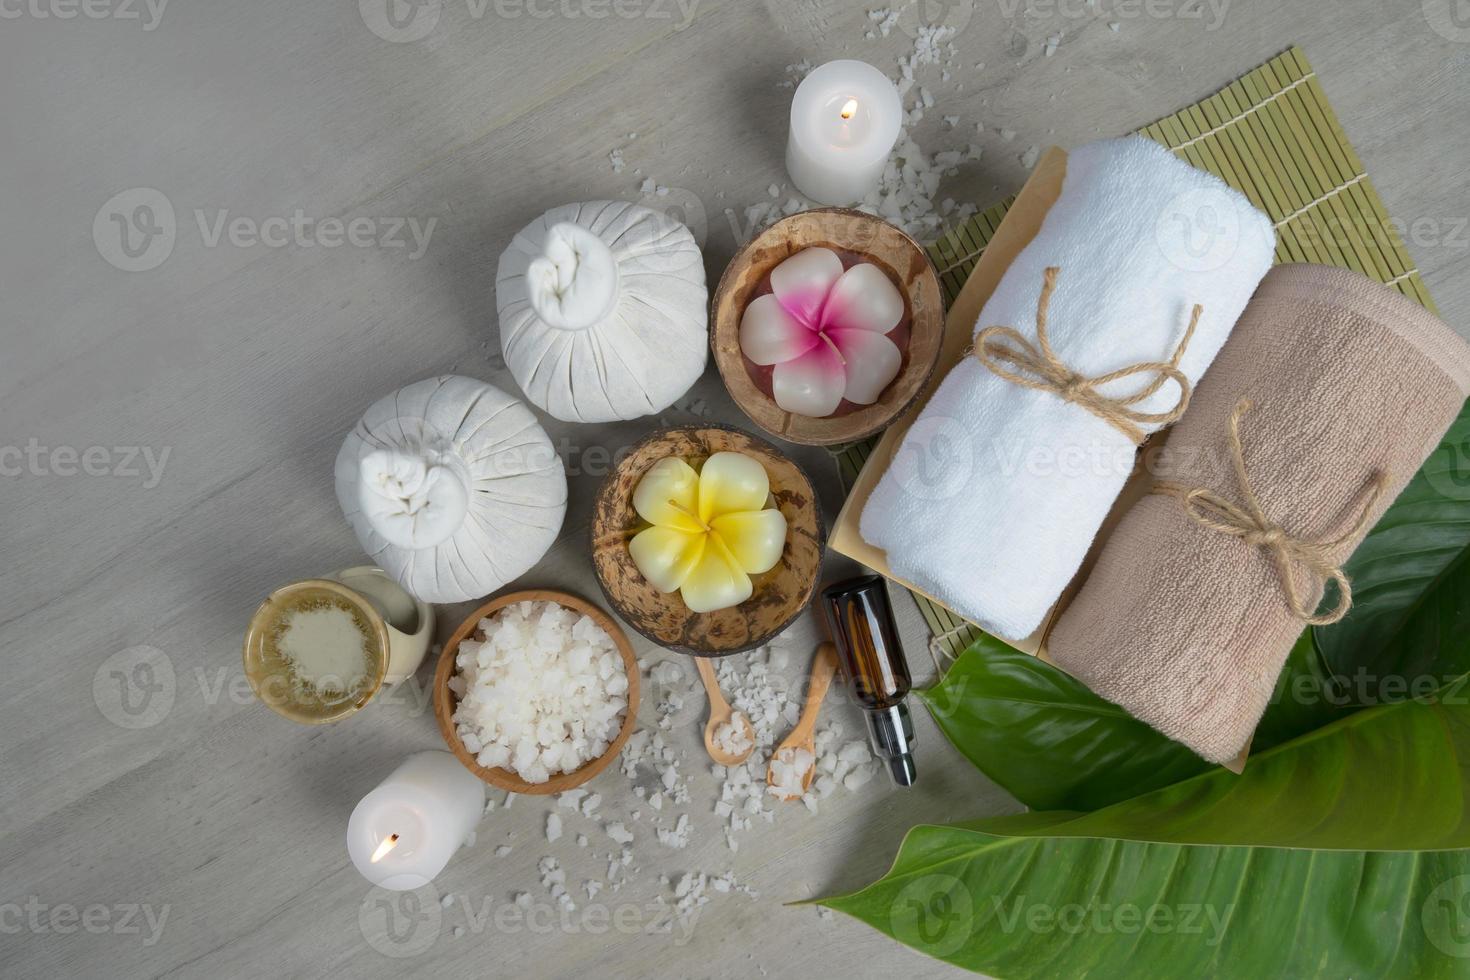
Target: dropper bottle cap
[(891, 733), (861, 621)]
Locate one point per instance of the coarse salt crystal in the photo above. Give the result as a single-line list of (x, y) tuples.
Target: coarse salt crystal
[(790, 767), (677, 837), (733, 738)]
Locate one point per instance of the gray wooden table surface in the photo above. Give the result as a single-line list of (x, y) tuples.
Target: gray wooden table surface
[(167, 825)]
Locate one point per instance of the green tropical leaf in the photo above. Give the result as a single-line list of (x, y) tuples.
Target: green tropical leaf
[(1419, 539), (1308, 695), (1017, 907), (1040, 733), (1343, 858), (1054, 745)]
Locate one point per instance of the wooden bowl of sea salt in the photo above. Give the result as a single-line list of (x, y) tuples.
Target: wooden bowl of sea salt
[(857, 238), (502, 612)]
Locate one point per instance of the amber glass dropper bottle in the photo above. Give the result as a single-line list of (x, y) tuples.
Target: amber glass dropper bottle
[(861, 621)]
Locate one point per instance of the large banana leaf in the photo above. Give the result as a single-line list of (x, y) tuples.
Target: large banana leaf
[(1045, 737), (1339, 864), (1025, 904), (1054, 745), (1308, 695), (1421, 536), (1391, 778)]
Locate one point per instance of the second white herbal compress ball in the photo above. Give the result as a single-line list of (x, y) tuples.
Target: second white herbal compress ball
[(603, 311)]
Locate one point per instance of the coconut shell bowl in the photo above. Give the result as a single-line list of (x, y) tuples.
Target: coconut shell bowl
[(779, 596), (855, 236), (445, 701)]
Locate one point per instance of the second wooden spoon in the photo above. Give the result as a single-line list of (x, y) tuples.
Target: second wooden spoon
[(804, 735), (720, 713)]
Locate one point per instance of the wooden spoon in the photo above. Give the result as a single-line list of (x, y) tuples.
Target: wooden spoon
[(804, 735), (720, 713)]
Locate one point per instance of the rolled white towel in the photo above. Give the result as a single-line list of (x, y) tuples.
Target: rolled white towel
[(997, 490)]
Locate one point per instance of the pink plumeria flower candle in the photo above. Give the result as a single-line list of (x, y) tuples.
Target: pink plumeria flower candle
[(824, 330)]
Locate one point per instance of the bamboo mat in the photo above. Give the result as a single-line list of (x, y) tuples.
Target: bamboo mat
[(1271, 135)]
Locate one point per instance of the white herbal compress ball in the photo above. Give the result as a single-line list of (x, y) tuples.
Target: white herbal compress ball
[(603, 310), (452, 487)]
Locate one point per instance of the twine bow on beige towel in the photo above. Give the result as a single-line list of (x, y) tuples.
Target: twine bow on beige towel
[(1037, 366), (1248, 521)]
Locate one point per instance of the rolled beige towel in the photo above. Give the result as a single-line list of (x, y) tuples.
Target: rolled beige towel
[(1339, 388)]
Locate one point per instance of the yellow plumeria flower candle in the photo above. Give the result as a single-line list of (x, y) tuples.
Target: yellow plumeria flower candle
[(711, 530)]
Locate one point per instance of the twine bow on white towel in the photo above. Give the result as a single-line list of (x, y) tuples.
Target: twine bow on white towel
[(1002, 348)]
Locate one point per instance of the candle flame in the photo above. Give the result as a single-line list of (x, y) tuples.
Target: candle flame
[(849, 108), (389, 842)]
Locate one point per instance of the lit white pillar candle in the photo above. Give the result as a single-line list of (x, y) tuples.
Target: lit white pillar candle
[(845, 117), (404, 832)]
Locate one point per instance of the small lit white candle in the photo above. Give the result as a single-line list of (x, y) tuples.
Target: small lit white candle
[(404, 832), (845, 118)]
